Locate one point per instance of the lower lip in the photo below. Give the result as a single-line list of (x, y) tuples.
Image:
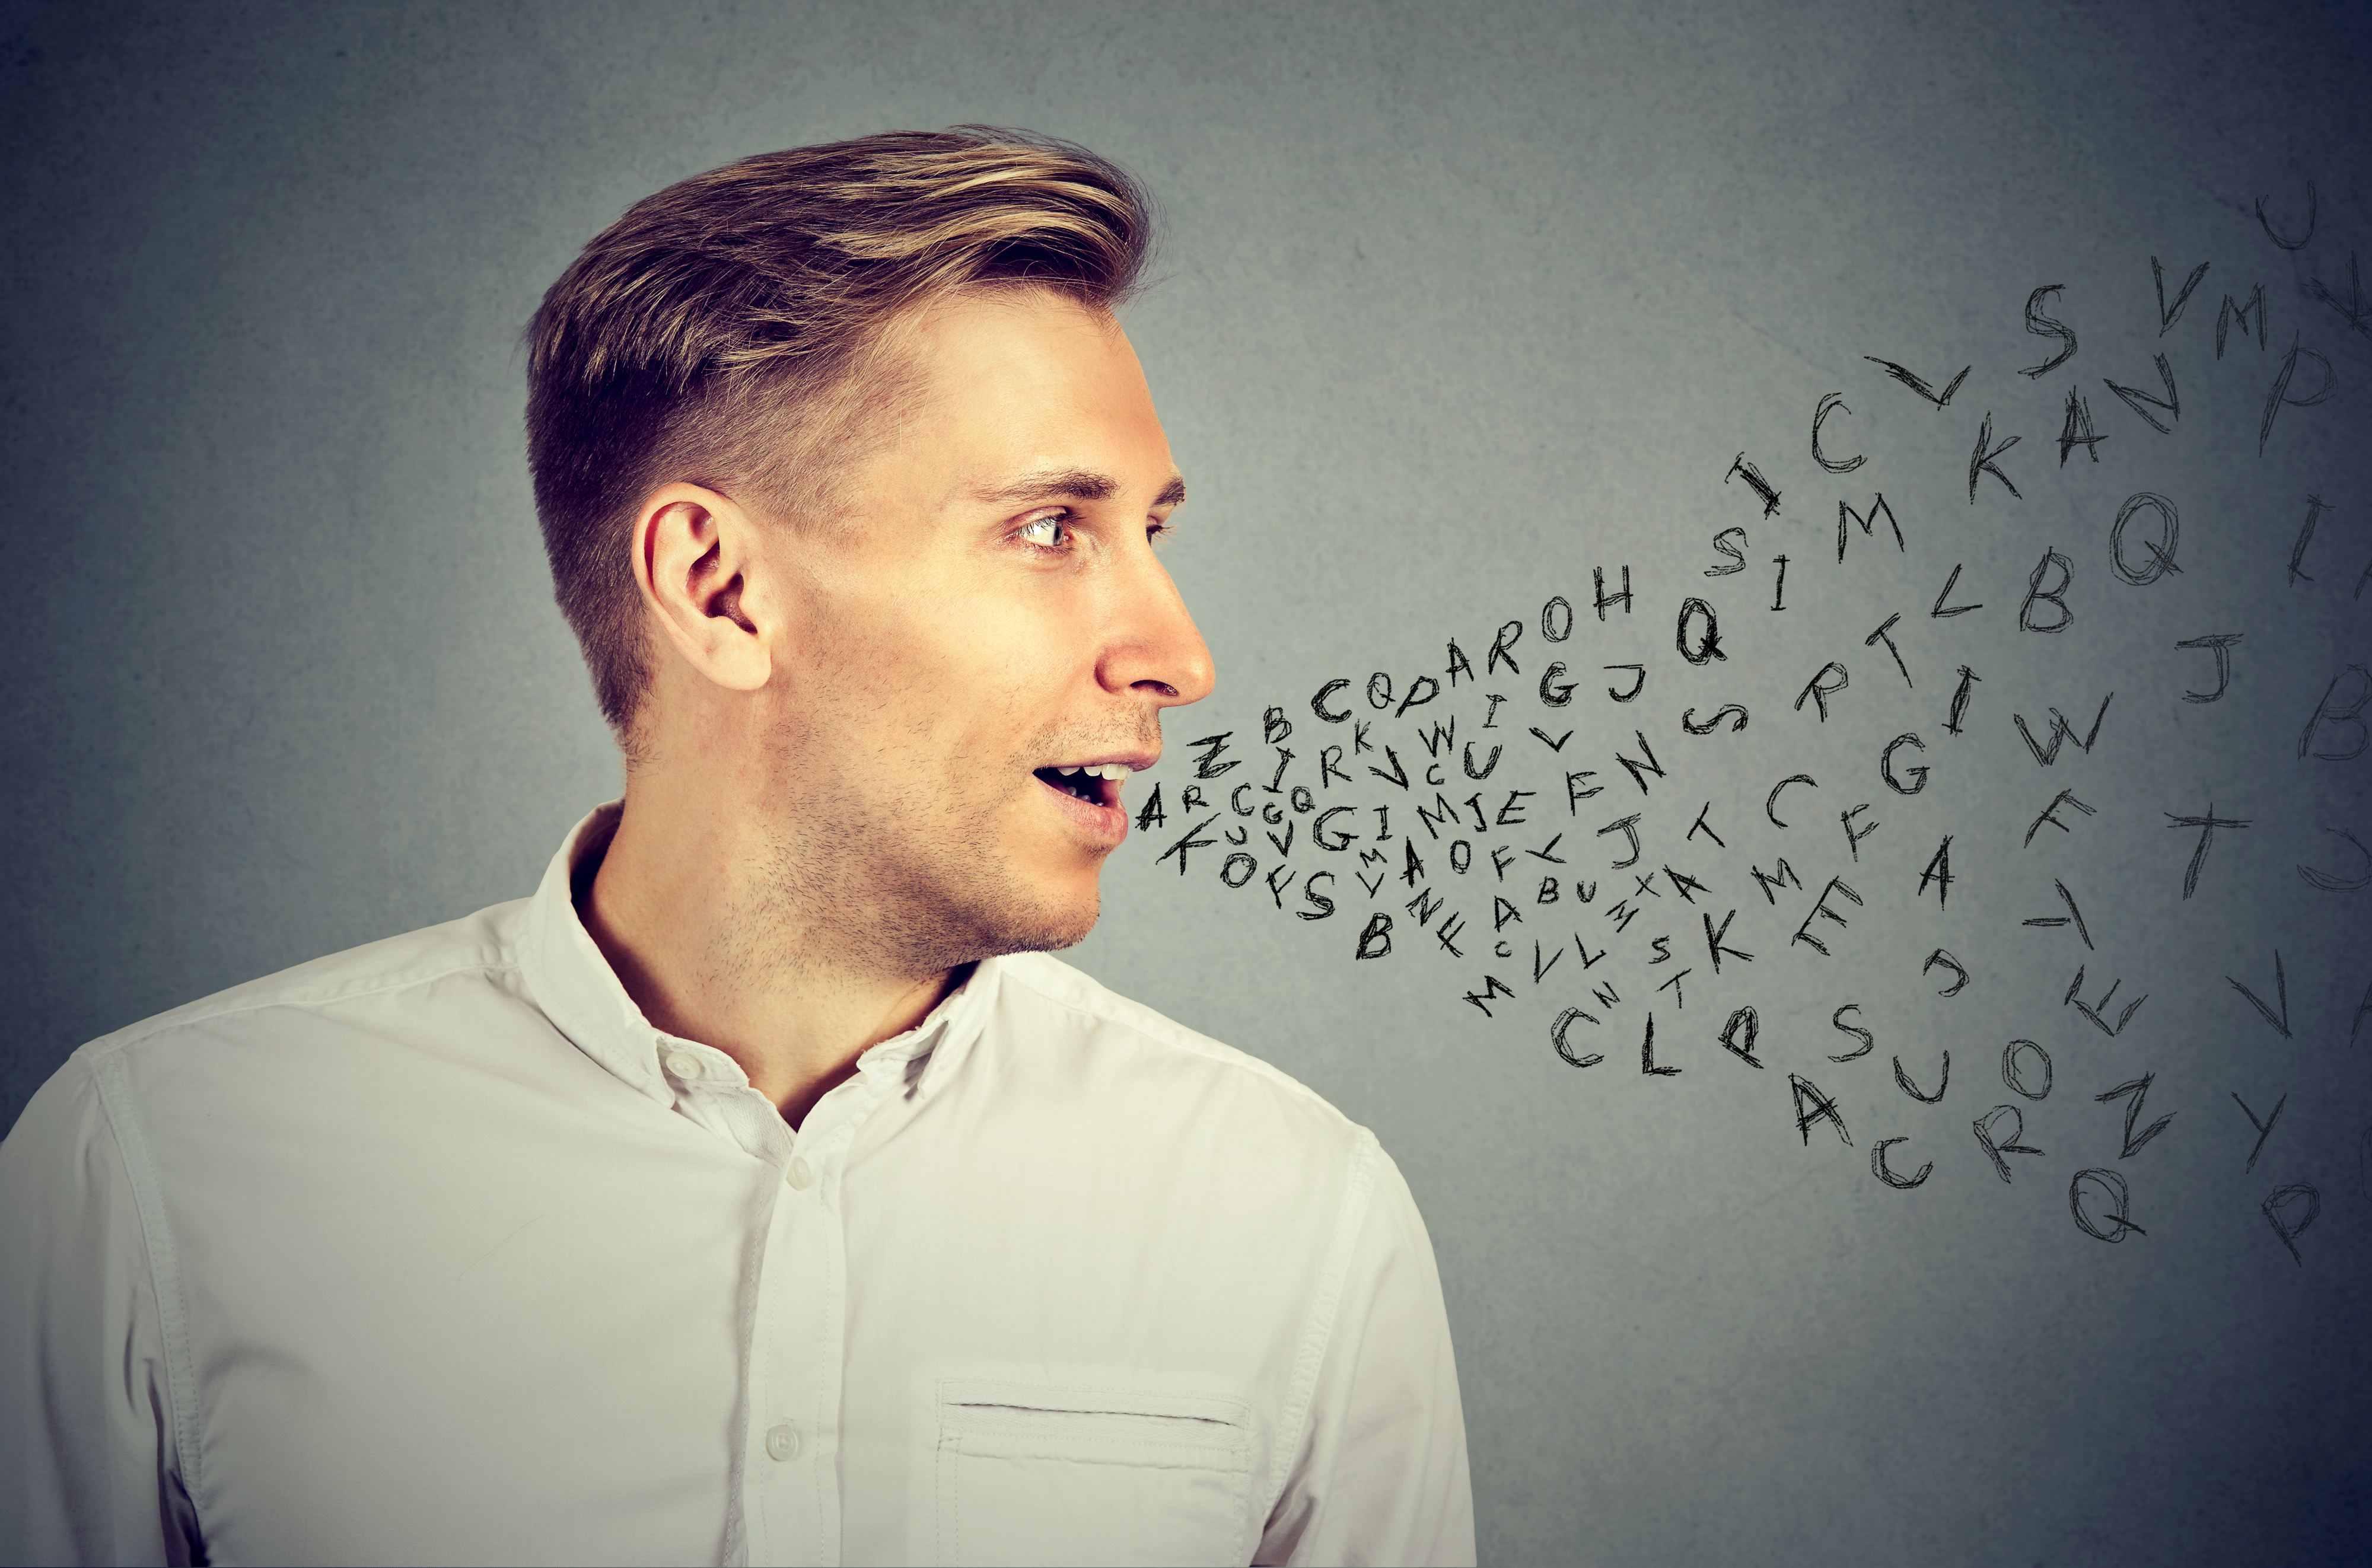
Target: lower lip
[(1107, 825)]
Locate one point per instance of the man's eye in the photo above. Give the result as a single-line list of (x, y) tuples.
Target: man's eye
[(1048, 532)]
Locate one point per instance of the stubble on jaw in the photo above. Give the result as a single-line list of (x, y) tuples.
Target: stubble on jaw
[(897, 908), (903, 881)]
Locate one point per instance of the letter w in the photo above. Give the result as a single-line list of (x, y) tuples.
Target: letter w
[(2062, 730)]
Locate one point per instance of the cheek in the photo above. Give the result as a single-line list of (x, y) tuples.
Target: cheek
[(863, 653), (964, 676), (952, 706)]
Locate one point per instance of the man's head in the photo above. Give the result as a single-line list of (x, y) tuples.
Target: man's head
[(848, 480)]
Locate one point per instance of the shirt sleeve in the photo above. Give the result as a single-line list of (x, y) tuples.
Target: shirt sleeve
[(1380, 1476), (86, 1468)]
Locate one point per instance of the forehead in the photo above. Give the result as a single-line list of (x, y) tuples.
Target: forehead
[(1014, 381)]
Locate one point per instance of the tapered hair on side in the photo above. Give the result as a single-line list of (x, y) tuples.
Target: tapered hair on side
[(728, 331)]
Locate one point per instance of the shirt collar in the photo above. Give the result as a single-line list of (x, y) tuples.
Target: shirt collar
[(567, 976)]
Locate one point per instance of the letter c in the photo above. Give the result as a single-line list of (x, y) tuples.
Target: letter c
[(1877, 1167), (1828, 405), (1771, 801)]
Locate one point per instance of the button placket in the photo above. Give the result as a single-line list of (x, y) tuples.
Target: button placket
[(803, 1300)]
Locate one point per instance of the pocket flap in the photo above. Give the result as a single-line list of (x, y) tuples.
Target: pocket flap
[(1079, 1419), (1064, 1473)]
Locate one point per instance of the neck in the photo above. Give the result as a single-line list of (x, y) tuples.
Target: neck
[(695, 917)]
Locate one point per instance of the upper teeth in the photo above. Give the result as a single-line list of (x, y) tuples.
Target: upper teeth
[(1100, 771)]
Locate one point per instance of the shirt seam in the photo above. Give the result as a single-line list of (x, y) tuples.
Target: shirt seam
[(113, 1046), (1300, 1390), (1250, 1066), (163, 1260)]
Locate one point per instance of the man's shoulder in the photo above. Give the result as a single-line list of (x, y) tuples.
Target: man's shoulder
[(1161, 1046), (263, 1030), (480, 945)]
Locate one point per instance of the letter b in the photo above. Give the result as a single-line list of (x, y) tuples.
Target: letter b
[(2341, 713), (2055, 597)]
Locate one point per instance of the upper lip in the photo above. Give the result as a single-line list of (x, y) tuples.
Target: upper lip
[(1136, 762)]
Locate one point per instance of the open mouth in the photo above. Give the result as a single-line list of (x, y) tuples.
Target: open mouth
[(1097, 784)]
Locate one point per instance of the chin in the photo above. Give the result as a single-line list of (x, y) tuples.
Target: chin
[(1050, 928)]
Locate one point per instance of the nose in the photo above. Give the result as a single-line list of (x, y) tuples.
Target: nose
[(1154, 647)]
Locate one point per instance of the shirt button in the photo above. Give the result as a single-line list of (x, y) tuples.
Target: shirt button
[(684, 1064), (783, 1443), (801, 1175)]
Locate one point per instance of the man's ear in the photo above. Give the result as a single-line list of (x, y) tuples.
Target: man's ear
[(697, 556)]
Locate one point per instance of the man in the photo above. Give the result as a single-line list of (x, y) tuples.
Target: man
[(758, 1191)]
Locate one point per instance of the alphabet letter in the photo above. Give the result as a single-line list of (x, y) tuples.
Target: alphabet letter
[(1835, 402), (2121, 1203), (2325, 713), (2042, 326), (1996, 1147), (2037, 594)]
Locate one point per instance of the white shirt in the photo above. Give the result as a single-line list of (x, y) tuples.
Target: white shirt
[(436, 1251)]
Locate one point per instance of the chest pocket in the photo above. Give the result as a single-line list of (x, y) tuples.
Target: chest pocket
[(1038, 1473)]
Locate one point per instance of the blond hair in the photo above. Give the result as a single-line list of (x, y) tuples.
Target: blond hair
[(728, 332)]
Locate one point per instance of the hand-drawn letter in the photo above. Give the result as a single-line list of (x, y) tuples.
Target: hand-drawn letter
[(2278, 397), (1833, 403), (2276, 1206), (2160, 558), (1813, 1106), (2139, 1089), (2120, 1205), (1877, 1166), (2325, 713), (1995, 1145), (2222, 643), (2057, 596), (2042, 326)]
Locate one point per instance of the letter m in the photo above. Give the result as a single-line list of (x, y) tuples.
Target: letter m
[(1492, 987), (1784, 877), (1433, 819), (1878, 508)]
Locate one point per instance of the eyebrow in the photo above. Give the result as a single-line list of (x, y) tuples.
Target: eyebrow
[(1072, 484)]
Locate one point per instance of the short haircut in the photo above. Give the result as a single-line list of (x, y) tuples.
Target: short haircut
[(726, 332)]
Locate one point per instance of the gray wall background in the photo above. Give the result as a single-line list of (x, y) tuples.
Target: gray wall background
[(1460, 304)]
